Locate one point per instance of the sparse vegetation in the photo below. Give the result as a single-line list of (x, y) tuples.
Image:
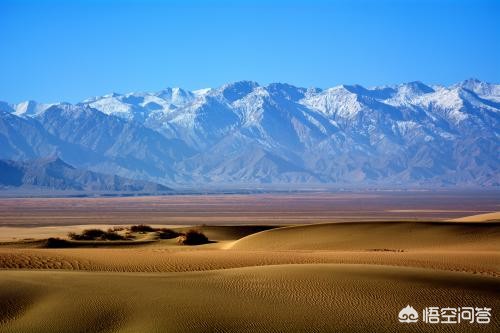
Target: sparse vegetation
[(192, 237), (165, 233), (96, 234), (386, 250), (57, 243), (141, 228)]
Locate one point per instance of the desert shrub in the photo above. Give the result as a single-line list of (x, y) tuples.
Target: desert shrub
[(93, 233), (192, 237), (116, 229), (129, 235), (88, 234), (165, 233), (111, 235), (141, 228), (56, 243), (96, 234), (73, 235)]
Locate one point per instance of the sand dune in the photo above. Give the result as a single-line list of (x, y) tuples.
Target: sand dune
[(310, 298), (376, 235), (446, 246), (488, 217), (187, 259), (307, 278)]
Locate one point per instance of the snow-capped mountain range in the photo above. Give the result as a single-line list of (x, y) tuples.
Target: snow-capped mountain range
[(243, 133)]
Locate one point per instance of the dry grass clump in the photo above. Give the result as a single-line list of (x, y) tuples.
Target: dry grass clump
[(192, 237), (165, 233), (55, 242), (386, 250), (116, 229), (96, 234), (141, 228)]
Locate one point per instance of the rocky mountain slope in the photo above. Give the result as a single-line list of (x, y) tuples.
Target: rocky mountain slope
[(410, 134), (54, 174)]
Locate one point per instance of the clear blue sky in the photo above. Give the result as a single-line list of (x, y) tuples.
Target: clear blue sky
[(70, 50)]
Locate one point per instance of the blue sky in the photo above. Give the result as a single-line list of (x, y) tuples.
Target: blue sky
[(70, 50)]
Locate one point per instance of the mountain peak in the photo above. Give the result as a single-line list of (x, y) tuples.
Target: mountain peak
[(480, 88), (287, 91), (471, 84), (417, 87), (52, 161), (6, 107), (236, 90), (31, 108), (243, 84), (52, 173), (471, 81), (112, 94), (402, 134)]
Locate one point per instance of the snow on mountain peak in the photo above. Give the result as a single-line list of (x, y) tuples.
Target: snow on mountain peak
[(236, 90), (31, 108), (336, 101), (176, 96), (286, 91), (483, 89), (406, 132)]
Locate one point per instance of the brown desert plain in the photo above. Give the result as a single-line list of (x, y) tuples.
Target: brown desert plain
[(296, 262)]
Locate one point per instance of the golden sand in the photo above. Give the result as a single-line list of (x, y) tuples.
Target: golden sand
[(335, 277)]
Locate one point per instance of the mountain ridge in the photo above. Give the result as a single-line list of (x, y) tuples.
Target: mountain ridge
[(410, 134), (51, 173)]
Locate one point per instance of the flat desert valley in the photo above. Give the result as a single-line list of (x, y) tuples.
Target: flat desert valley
[(288, 262)]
